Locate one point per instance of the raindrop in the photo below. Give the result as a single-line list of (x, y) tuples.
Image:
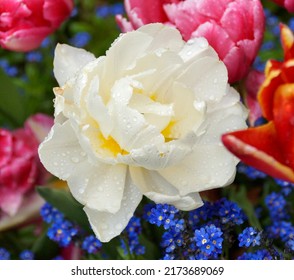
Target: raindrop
[(190, 42), (75, 159), (203, 44), (81, 190), (100, 189), (199, 105)]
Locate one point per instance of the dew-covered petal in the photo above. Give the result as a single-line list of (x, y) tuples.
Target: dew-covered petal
[(68, 61), (160, 156), (163, 37), (61, 152), (100, 186), (207, 167), (158, 189), (220, 121), (108, 225), (207, 75)]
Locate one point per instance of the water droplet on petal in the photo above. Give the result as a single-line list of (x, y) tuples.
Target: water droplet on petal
[(75, 159), (190, 42), (81, 190)]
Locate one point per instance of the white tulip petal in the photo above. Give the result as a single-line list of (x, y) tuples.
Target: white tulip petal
[(98, 110), (160, 69), (221, 121), (163, 37), (59, 154), (130, 129), (68, 61), (155, 187), (196, 48), (99, 187), (108, 225), (156, 157), (121, 57), (207, 167), (207, 77)]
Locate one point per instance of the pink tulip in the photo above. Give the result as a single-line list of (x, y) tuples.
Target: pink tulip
[(234, 28), (25, 23), (20, 167), (288, 4)]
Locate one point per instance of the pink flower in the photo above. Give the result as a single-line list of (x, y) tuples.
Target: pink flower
[(20, 167), (25, 23), (253, 82), (234, 28), (288, 4)]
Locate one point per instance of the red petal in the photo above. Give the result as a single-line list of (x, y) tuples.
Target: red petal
[(287, 39), (259, 148), (267, 91), (284, 121)]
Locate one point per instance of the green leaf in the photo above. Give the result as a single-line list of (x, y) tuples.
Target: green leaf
[(11, 105), (64, 202)]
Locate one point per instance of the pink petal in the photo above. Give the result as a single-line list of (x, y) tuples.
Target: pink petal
[(25, 39), (10, 202), (252, 85), (40, 125), (5, 147)]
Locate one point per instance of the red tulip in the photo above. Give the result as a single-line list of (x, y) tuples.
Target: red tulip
[(234, 28), (270, 147), (25, 23)]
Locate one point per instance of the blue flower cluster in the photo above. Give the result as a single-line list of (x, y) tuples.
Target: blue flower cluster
[(262, 254), (104, 11), (91, 244), (132, 232), (249, 237), (4, 254), (209, 241), (250, 172), (197, 234), (277, 206), (8, 69), (27, 255), (61, 230), (80, 39), (220, 212)]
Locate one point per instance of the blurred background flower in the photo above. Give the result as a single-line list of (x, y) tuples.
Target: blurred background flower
[(288, 4), (25, 24)]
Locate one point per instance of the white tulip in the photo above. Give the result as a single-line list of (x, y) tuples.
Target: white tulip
[(145, 119)]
